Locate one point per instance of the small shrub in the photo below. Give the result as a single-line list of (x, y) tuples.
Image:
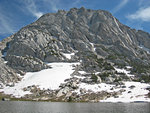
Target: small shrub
[(146, 78), (104, 75), (149, 95), (94, 78), (100, 62), (108, 66), (120, 73), (70, 99), (117, 80), (112, 57)]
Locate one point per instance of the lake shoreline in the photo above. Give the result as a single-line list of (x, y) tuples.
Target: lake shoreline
[(101, 101)]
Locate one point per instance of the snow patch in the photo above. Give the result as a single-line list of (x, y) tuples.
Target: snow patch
[(128, 67), (82, 72), (138, 93), (93, 48), (44, 79), (124, 71), (68, 55), (5, 62), (95, 87)]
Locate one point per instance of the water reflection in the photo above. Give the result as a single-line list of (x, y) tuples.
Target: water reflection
[(56, 107)]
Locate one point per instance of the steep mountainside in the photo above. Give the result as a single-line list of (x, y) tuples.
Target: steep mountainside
[(93, 38)]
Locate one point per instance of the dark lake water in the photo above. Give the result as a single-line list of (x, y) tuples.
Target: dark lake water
[(56, 107)]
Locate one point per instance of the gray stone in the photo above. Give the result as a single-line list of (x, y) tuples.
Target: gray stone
[(123, 86), (87, 80), (109, 80), (132, 87), (63, 92), (99, 80)]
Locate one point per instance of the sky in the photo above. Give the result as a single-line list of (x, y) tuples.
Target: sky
[(15, 14)]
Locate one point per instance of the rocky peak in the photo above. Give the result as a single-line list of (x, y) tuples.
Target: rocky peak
[(88, 34)]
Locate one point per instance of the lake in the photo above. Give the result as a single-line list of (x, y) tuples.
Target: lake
[(60, 107)]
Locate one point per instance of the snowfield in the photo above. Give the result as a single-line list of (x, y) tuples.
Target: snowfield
[(45, 79), (53, 77), (134, 92)]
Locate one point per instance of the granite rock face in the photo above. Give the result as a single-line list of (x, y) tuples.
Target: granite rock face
[(89, 34), (7, 74)]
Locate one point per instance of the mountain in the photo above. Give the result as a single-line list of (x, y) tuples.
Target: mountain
[(90, 47)]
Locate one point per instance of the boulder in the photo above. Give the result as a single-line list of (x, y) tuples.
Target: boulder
[(99, 80), (109, 80), (132, 87), (63, 91), (87, 80)]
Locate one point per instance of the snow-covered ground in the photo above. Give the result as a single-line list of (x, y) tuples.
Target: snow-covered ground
[(53, 77), (45, 79), (94, 87), (134, 94), (130, 94)]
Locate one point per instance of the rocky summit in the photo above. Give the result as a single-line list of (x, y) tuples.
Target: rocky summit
[(107, 57)]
